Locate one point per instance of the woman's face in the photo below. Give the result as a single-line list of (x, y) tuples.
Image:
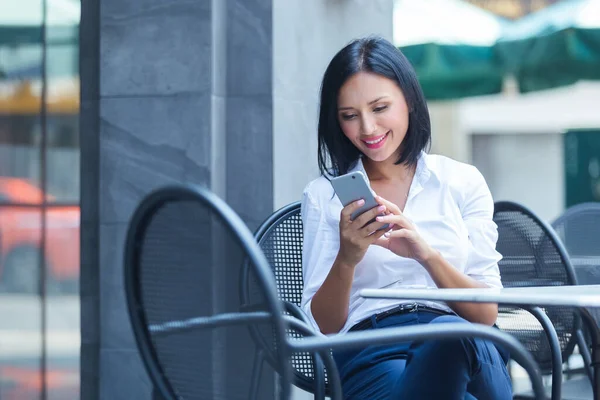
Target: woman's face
[(373, 114)]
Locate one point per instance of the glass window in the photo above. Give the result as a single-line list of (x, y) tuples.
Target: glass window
[(39, 199)]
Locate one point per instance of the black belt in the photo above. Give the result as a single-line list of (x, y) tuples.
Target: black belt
[(401, 309)]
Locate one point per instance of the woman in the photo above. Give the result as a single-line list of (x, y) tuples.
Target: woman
[(373, 118)]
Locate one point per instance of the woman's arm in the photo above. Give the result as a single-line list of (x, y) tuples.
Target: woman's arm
[(446, 276), (406, 242), (329, 305)]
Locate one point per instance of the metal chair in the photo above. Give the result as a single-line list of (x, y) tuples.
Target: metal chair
[(181, 245), (280, 237), (534, 256), (579, 230)]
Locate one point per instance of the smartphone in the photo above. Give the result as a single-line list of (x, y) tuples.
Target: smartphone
[(352, 187)]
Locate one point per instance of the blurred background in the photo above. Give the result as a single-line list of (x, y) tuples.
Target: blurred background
[(511, 86), (39, 199)]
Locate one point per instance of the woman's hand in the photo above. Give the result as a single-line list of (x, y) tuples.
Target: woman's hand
[(402, 239), (357, 235)]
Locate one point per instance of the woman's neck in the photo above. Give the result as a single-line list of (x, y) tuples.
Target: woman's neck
[(387, 170)]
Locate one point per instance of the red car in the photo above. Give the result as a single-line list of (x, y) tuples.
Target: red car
[(21, 234)]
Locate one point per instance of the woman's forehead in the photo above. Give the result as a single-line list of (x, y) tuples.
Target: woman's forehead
[(365, 88)]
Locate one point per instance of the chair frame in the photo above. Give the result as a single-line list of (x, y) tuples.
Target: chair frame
[(580, 314), (588, 319), (274, 309), (316, 389), (594, 206), (137, 227)]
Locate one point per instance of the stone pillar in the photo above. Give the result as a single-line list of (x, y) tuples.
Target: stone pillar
[(171, 92)]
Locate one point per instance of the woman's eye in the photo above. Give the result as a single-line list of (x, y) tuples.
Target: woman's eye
[(348, 117), (380, 108)]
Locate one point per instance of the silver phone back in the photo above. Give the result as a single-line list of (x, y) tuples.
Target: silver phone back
[(352, 187)]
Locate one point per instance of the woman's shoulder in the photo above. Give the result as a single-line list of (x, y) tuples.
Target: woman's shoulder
[(463, 181), (318, 189), (453, 172)]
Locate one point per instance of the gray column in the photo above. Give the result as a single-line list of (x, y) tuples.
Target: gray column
[(249, 132), (172, 92)]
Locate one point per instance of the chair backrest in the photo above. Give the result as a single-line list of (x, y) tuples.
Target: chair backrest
[(533, 256), (280, 238), (579, 230), (183, 245)]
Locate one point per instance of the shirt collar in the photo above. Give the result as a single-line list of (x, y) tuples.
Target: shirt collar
[(425, 169)]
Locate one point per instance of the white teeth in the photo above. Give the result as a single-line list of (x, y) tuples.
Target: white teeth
[(375, 141)]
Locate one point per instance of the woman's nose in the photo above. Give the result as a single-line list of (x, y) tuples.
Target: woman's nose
[(368, 126)]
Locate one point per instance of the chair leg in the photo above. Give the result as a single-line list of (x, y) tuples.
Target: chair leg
[(594, 357), (319, 376), (256, 372), (585, 354), (557, 376)]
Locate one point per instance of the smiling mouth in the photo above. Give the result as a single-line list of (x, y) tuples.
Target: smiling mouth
[(376, 143)]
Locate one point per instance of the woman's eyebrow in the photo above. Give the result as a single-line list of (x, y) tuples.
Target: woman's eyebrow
[(377, 99), (371, 102)]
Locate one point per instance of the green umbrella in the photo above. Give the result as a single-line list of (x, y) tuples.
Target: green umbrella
[(450, 44), (21, 21), (556, 46)]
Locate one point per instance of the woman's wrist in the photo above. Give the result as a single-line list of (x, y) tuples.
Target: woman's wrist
[(430, 259), (343, 263)]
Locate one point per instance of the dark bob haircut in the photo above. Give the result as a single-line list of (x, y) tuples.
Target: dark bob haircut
[(375, 55)]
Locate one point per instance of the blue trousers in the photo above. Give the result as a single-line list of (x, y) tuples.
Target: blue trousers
[(456, 369)]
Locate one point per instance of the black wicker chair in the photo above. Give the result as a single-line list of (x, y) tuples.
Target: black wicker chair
[(579, 230), (534, 256), (280, 238), (181, 246), (182, 242)]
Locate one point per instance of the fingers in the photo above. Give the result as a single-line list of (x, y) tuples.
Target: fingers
[(397, 219), (368, 216), (347, 211), (401, 233), (374, 227), (384, 240), (378, 236), (388, 205)]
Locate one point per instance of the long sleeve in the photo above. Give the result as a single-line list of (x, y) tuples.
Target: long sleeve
[(318, 253), (477, 211)]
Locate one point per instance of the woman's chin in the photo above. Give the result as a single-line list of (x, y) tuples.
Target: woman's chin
[(379, 156)]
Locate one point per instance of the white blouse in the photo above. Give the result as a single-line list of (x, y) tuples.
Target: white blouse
[(451, 207)]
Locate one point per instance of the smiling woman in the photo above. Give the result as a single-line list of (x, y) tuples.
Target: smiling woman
[(350, 88), (432, 228), (378, 126)]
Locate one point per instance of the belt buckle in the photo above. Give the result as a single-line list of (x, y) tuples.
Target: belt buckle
[(411, 308)]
